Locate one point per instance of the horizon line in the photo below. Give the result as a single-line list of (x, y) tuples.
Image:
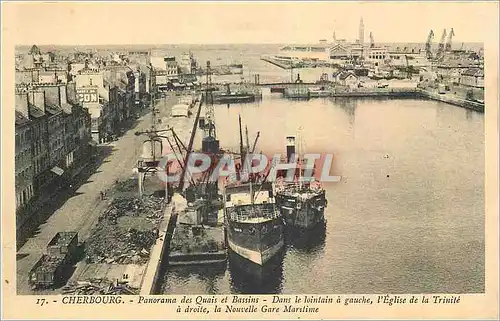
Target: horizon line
[(231, 43)]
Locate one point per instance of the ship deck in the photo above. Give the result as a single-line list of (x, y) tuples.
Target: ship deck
[(252, 213), (295, 190)]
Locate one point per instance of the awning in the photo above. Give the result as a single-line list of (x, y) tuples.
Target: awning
[(57, 170)]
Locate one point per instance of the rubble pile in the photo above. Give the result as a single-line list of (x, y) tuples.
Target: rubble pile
[(99, 287), (130, 242), (193, 239)]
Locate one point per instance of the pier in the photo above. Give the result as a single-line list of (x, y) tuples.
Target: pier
[(159, 252), (453, 100), (291, 90)]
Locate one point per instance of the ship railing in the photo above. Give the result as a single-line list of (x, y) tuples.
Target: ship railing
[(297, 187), (248, 212)]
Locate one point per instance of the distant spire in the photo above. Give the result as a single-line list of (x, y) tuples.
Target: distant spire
[(361, 31), (34, 50), (334, 37)]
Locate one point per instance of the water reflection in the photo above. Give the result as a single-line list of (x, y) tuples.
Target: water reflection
[(205, 275), (384, 234), (249, 278), (468, 114), (348, 105), (307, 241)]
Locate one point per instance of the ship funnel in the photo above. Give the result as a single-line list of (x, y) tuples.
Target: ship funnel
[(290, 147)]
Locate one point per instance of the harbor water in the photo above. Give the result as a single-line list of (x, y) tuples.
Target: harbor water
[(407, 216)]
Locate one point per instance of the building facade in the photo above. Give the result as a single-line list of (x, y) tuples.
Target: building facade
[(52, 142), (472, 77), (40, 140), (93, 94), (23, 157)]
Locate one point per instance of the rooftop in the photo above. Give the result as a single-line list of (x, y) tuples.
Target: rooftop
[(21, 119), (473, 72), (34, 50), (345, 74), (35, 112), (52, 109)]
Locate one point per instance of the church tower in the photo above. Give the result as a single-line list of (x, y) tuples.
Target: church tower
[(361, 31)]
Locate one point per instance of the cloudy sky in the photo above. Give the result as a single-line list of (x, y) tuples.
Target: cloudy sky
[(243, 22)]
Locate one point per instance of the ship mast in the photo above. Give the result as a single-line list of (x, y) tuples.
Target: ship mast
[(248, 142), (242, 154), (249, 165), (299, 163)]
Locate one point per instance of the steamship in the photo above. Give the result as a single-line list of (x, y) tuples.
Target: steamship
[(302, 203), (254, 226)]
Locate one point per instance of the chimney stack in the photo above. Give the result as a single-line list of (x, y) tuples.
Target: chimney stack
[(71, 92), (52, 95), (22, 104), (37, 99), (64, 99), (290, 148), (62, 94)]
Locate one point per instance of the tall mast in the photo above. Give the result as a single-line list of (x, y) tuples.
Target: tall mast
[(248, 142), (249, 178), (299, 163), (241, 141)]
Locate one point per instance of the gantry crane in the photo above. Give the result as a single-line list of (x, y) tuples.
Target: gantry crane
[(428, 45), (448, 43), (441, 44), (408, 68)]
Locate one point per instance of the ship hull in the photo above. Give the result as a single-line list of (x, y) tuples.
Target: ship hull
[(302, 213), (243, 98), (250, 278), (256, 242)]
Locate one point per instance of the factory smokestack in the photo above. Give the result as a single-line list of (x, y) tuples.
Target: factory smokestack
[(290, 147)]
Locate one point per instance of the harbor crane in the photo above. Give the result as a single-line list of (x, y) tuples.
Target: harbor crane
[(448, 43), (428, 44), (441, 44), (408, 68), (372, 42), (204, 188)]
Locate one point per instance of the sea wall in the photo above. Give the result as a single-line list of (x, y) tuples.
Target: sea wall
[(452, 99), (408, 92), (376, 92), (159, 254)]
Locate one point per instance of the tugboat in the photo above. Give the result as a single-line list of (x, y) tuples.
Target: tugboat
[(302, 204), (254, 226)]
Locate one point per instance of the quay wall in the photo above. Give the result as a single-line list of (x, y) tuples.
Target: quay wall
[(159, 254), (276, 63), (408, 92), (376, 92), (452, 99)]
